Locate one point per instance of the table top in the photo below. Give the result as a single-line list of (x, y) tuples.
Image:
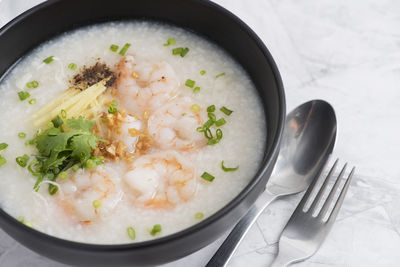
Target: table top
[(347, 53)]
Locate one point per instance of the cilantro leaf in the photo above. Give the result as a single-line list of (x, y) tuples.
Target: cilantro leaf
[(82, 146), (80, 124)]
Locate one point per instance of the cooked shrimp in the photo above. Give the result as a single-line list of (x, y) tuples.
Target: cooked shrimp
[(145, 86), (174, 125), (85, 189), (161, 180)]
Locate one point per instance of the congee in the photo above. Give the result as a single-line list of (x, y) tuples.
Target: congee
[(124, 132)]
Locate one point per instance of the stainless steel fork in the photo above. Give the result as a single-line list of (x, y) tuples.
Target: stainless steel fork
[(308, 227)]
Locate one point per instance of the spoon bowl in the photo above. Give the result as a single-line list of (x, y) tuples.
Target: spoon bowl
[(308, 140)]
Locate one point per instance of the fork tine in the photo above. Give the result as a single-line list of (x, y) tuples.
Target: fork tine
[(339, 201), (329, 199), (322, 189), (311, 188)]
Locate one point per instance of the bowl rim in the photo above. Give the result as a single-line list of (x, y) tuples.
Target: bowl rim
[(257, 177)]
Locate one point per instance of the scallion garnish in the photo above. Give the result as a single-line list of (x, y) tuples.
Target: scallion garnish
[(208, 133), (208, 177), (211, 108), (75, 168), (32, 101), (131, 233), (32, 84), (63, 175), (114, 47), (112, 109), (57, 122), (213, 141), (23, 160), (180, 51), (212, 116), (72, 66), (34, 168), (21, 135), (2, 160), (226, 169), (195, 108), (63, 113), (97, 204), (48, 60), (29, 142), (124, 49), (190, 83), (219, 75), (52, 189), (220, 122), (226, 111), (196, 89), (184, 51), (156, 229), (90, 164), (208, 124), (199, 216), (23, 95), (170, 41), (3, 146), (203, 72)]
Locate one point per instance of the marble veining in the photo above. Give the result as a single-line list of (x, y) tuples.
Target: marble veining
[(345, 52)]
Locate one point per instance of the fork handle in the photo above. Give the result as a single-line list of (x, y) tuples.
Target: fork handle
[(282, 260), (231, 243)]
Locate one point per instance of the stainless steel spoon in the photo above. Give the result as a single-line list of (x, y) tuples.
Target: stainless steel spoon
[(308, 140)]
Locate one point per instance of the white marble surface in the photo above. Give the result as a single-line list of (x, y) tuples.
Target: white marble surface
[(345, 52)]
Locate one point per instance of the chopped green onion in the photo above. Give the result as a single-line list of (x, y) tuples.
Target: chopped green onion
[(30, 142), (211, 108), (57, 121), (219, 134), (2, 160), (208, 177), (38, 181), (226, 169), (32, 84), (23, 160), (53, 189), (114, 103), (220, 122), (112, 109), (50, 125), (226, 111), (156, 229), (34, 168), (203, 72), (21, 135), (131, 233), (213, 141), (90, 164), (170, 41), (177, 51), (200, 129), (63, 175), (114, 47), (184, 51), (48, 60), (23, 95), (3, 146), (196, 89), (208, 133), (190, 83), (32, 101), (199, 216), (72, 66), (195, 108), (97, 204), (219, 75), (208, 124), (124, 49), (211, 116), (63, 114), (75, 168)]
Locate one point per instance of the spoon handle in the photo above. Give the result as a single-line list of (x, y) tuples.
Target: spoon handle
[(231, 243)]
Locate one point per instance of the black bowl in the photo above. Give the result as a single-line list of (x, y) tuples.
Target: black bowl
[(202, 17)]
